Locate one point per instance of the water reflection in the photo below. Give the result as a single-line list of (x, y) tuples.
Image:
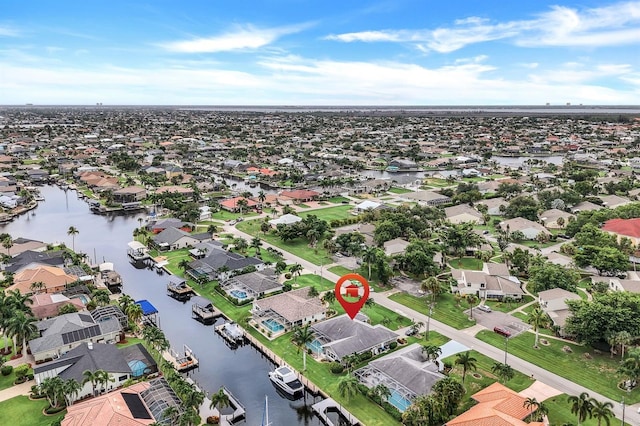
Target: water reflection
[(243, 370)]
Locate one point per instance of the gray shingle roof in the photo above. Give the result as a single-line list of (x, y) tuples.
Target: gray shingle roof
[(346, 336)]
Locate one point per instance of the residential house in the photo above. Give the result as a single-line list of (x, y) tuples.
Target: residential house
[(555, 218), (395, 246), (624, 228), (121, 365), (406, 372), (493, 282), (463, 213), (401, 164), (61, 334), (54, 279), (31, 258), (530, 229), (430, 198), (159, 225), (141, 404), (554, 303), (45, 305), (495, 206), (496, 405), (231, 204), (367, 205), (301, 195), (175, 239), (341, 336), (129, 194), (618, 284), (254, 284), (613, 201), (221, 264), (175, 189), (585, 206), (285, 219), (289, 309)]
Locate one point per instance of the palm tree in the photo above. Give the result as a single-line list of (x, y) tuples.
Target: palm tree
[(504, 371), (369, 256), (537, 318), (71, 389), (124, 301), (381, 391), (467, 362), (256, 243), (73, 231), (532, 405), (170, 413), (348, 386), (37, 286), (296, 271), (431, 285), (329, 297), (313, 292), (630, 366), (104, 378), (7, 242), (580, 406), (219, 400), (101, 297), (240, 244), (242, 203), (471, 300), (261, 197), (184, 264), (93, 377), (542, 411), (134, 312), (432, 352), (601, 411), (301, 336), (189, 417), (21, 327)]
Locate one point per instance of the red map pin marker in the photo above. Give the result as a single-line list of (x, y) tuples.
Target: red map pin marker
[(352, 290)]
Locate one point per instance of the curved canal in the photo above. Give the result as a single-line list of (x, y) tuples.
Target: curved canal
[(104, 238)]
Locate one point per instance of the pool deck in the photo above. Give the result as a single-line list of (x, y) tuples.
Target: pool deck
[(321, 408)]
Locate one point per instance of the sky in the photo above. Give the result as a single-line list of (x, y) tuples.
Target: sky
[(297, 52)]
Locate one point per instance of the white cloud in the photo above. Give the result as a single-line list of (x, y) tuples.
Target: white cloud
[(7, 31), (242, 38), (616, 24)]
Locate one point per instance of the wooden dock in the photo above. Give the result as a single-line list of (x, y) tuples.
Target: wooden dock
[(181, 362), (232, 333), (203, 310), (329, 404), (179, 292)]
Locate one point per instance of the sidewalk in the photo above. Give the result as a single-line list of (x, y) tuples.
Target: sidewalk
[(17, 390)]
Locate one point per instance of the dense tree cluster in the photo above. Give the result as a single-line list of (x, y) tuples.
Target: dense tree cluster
[(548, 275), (523, 206), (599, 217), (437, 407), (409, 223), (310, 227)]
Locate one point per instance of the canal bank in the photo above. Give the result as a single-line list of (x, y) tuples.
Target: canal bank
[(243, 369)]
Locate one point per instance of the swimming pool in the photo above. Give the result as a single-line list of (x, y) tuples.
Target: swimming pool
[(398, 401), (83, 298), (238, 294), (273, 325), (315, 346)]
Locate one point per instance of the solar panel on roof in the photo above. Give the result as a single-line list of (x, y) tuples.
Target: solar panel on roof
[(135, 405)]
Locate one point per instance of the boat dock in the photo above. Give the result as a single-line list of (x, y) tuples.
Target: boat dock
[(205, 410), (179, 292), (203, 310), (329, 404), (137, 251), (231, 332), (181, 362)]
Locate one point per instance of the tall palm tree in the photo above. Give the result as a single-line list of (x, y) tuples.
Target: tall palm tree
[(542, 411), (369, 256), (101, 297), (7, 242), (471, 300), (124, 302), (219, 400), (261, 196), (301, 336), (296, 271), (242, 203), (92, 377), (432, 286), (22, 327), (630, 366), (537, 318), (171, 413), (504, 371), (432, 352), (134, 312), (184, 264), (580, 406), (256, 243), (467, 362), (601, 411), (329, 297), (73, 231), (531, 404), (348, 386), (71, 389)]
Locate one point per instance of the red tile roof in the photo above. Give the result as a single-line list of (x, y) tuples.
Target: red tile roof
[(626, 227), (300, 194)]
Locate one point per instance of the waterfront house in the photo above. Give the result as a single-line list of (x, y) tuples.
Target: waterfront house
[(61, 334), (23, 244), (187, 193), (129, 194), (554, 303), (141, 404), (340, 336), (301, 195), (252, 285), (53, 278), (495, 405), (121, 364), (287, 310), (46, 305), (32, 259), (221, 264), (406, 372), (175, 239)]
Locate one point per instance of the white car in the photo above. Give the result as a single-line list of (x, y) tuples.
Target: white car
[(484, 308)]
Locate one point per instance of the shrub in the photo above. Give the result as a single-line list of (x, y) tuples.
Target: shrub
[(287, 276), (286, 287), (365, 356), (21, 371), (6, 370), (337, 368), (393, 345)]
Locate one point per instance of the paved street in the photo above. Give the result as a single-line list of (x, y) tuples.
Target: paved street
[(632, 416)]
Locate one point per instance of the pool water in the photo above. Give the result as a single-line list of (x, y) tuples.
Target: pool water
[(83, 298), (398, 401), (315, 346), (273, 325), (238, 294)]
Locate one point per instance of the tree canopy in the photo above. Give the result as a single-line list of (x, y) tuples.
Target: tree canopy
[(548, 276)]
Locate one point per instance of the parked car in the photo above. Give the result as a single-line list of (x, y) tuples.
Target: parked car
[(485, 308), (502, 331), (410, 331)]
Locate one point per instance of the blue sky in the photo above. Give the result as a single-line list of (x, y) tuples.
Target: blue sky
[(296, 52)]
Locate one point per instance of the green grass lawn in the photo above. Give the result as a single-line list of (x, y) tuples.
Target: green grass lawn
[(438, 183), (21, 411), (330, 213), (467, 263), (340, 270), (338, 200), (445, 310), (473, 384), (299, 246), (560, 413), (226, 215), (598, 373), (396, 190), (303, 206), (377, 314), (507, 307), (309, 280), (174, 258)]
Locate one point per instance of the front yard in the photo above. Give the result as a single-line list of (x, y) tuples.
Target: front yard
[(445, 310), (330, 213), (21, 411)]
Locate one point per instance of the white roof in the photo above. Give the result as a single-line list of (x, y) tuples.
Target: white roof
[(106, 266), (136, 245), (286, 219), (368, 204)]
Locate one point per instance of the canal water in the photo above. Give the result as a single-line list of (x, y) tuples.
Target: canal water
[(244, 371)]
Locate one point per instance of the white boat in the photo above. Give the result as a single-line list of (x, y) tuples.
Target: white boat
[(286, 379)]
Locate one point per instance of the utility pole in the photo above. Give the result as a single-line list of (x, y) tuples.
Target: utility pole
[(506, 349), (429, 320), (622, 411)]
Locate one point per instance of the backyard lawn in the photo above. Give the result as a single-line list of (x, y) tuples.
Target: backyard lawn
[(226, 215), (396, 190), (21, 411), (299, 246), (330, 213), (595, 371), (470, 263), (339, 200), (309, 280), (445, 310)]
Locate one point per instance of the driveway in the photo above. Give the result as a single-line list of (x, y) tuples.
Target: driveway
[(493, 319), (539, 391)]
